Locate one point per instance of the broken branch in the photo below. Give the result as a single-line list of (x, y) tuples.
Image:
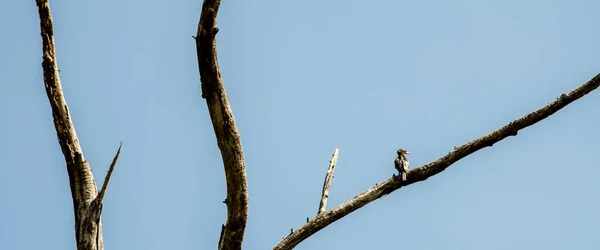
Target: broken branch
[(108, 174), (88, 228), (327, 184)]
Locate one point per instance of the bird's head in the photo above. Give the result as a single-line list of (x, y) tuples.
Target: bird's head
[(403, 152)]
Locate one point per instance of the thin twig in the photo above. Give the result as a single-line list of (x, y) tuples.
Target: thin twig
[(327, 184), (108, 174), (422, 173)]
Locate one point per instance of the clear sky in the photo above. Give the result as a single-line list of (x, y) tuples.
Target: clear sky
[(304, 78)]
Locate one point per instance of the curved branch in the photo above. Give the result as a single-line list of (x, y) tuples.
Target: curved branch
[(431, 169), (228, 138)]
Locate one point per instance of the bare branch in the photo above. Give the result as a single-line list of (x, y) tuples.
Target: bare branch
[(83, 186), (422, 173), (327, 184), (108, 174), (228, 138)]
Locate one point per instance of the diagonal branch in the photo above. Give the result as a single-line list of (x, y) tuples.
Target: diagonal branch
[(81, 180), (422, 173), (108, 174), (327, 184), (228, 138), (83, 188)]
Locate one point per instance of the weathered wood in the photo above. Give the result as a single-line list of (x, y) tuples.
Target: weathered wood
[(422, 173), (327, 183), (228, 138), (87, 209)]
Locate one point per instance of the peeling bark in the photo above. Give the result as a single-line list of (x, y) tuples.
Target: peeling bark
[(228, 138)]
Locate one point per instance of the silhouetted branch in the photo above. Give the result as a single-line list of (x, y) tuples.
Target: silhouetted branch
[(422, 173), (224, 126), (327, 184)]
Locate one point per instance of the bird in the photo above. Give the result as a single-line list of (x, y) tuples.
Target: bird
[(401, 163)]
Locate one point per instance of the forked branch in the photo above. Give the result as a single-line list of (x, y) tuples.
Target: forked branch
[(228, 138), (327, 184), (86, 203), (422, 173)]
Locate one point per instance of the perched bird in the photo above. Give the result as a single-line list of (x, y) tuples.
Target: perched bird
[(401, 163)]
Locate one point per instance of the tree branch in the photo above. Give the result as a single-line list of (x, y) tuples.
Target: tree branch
[(87, 209), (422, 173), (228, 138), (327, 184), (83, 187), (108, 174)]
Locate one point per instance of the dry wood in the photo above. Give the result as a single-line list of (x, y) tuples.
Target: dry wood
[(87, 201), (111, 168), (327, 184), (87, 207), (422, 173), (228, 138)]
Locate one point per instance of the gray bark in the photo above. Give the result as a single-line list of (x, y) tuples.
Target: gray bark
[(87, 205)]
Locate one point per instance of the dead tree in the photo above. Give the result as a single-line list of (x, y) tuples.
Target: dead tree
[(87, 201), (214, 92), (228, 138)]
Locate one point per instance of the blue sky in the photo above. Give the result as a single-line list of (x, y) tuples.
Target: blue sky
[(303, 78)]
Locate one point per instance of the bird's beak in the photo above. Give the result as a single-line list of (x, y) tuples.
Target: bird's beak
[(407, 153)]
